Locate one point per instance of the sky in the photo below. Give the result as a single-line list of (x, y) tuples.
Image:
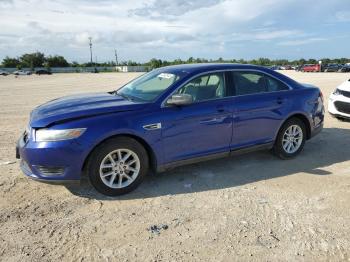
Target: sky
[(171, 29)]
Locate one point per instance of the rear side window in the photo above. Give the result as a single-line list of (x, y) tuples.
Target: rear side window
[(255, 82), (249, 83), (274, 85)]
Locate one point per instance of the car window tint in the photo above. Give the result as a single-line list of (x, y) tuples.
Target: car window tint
[(229, 84), (274, 85), (249, 83), (205, 87)]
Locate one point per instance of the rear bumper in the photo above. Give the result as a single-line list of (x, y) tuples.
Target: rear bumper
[(316, 130)]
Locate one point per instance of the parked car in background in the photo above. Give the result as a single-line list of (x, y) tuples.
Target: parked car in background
[(274, 67), (3, 73), (345, 68), (286, 67), (311, 68), (168, 117), (42, 72), (298, 67), (332, 68), (21, 72), (339, 101)]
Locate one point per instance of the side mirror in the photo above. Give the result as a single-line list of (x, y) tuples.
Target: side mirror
[(180, 100)]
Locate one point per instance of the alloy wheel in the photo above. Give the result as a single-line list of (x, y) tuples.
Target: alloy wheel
[(119, 168), (292, 139)]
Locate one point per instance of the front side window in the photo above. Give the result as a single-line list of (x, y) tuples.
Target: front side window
[(205, 87), (149, 86)]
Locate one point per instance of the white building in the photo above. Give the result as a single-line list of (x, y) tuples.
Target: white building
[(132, 68)]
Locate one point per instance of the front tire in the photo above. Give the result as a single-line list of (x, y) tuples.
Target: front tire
[(118, 166), (290, 139)]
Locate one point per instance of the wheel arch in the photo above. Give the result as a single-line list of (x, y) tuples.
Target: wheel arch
[(151, 155), (301, 117)]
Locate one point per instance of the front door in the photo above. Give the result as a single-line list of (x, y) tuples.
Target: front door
[(201, 128)]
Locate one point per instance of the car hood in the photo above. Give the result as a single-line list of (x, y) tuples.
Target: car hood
[(79, 106), (345, 86)]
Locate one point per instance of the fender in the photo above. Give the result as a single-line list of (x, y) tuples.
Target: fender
[(295, 113)]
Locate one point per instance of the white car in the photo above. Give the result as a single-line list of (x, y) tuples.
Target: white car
[(22, 72), (3, 73), (339, 101)]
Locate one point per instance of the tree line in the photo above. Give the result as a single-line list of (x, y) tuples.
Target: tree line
[(155, 63), (38, 59)]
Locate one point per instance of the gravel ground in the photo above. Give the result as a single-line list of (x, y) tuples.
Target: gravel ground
[(253, 207)]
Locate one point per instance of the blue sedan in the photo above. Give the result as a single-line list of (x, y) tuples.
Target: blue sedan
[(168, 117)]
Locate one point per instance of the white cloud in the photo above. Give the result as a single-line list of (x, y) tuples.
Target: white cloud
[(343, 16), (167, 9), (277, 34), (301, 41), (142, 29), (82, 38)]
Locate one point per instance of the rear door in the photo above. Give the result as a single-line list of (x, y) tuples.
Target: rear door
[(260, 104)]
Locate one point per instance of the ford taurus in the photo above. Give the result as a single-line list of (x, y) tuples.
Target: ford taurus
[(165, 118)]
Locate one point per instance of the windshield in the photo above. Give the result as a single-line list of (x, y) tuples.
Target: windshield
[(149, 86)]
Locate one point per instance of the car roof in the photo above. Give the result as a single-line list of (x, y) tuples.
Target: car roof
[(203, 67), (194, 69)]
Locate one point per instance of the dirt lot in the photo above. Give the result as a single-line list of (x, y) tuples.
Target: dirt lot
[(253, 207)]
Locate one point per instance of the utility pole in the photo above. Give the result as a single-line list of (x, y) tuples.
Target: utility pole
[(116, 56), (90, 44)]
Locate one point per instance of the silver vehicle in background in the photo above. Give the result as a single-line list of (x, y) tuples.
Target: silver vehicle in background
[(3, 73), (22, 72)]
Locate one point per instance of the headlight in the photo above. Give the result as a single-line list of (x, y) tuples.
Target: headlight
[(336, 92), (46, 135)]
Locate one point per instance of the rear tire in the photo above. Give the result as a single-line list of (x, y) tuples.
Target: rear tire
[(118, 166), (290, 139)]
